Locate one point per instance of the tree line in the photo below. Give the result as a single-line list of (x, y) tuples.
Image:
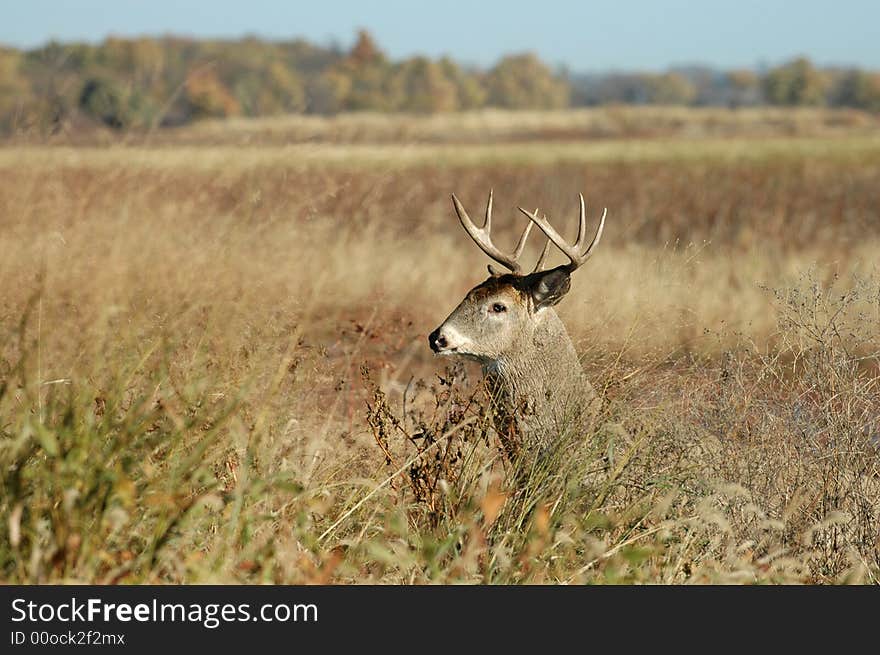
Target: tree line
[(153, 82)]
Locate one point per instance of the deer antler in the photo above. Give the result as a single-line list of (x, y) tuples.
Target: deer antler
[(483, 238), (573, 252)]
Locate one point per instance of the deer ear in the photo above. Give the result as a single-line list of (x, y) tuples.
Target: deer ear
[(548, 287)]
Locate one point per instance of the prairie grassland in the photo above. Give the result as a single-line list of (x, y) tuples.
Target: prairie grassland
[(213, 364), (393, 157), (493, 126)]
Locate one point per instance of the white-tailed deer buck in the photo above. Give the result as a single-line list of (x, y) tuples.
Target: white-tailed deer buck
[(507, 323)]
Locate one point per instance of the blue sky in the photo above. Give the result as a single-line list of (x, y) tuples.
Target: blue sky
[(585, 36)]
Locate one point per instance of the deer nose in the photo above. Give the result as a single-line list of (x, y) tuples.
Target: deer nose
[(437, 341)]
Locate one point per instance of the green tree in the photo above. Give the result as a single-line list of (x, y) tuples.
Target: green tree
[(420, 85), (468, 88), (744, 87), (369, 76), (15, 90), (525, 82), (55, 84), (105, 101), (795, 83), (275, 89), (670, 89), (859, 89), (207, 97), (327, 93)]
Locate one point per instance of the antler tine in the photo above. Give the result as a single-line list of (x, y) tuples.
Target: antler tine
[(573, 252), (540, 265), (598, 236), (487, 224), (582, 223), (521, 244), (483, 239)]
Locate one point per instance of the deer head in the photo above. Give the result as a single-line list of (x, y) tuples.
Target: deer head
[(502, 315)]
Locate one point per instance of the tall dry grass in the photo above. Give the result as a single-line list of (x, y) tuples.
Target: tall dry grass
[(204, 355), (494, 126)]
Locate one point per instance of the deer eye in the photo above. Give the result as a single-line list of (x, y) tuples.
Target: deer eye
[(498, 308)]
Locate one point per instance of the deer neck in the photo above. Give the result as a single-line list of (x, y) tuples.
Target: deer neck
[(540, 386)]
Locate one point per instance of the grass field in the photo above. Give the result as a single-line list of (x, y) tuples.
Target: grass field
[(214, 366)]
